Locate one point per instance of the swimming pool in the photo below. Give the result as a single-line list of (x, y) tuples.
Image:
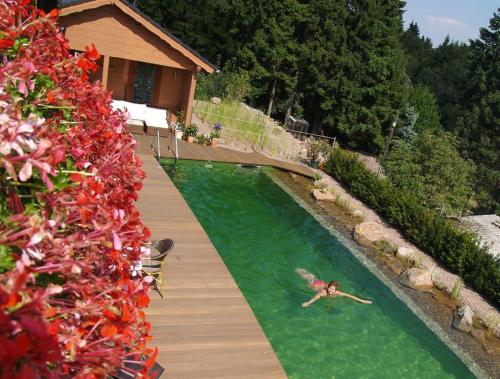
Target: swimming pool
[(263, 235)]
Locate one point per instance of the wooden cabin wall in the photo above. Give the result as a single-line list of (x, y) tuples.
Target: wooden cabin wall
[(171, 88), (118, 77), (118, 35)]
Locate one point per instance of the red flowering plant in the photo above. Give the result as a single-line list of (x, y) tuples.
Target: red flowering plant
[(70, 234)]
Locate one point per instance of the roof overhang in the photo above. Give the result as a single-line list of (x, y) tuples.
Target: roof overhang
[(70, 7)]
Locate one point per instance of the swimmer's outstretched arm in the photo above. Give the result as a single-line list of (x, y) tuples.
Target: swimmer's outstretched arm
[(339, 293), (318, 296)]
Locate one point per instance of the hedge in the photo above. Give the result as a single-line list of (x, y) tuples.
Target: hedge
[(457, 250)]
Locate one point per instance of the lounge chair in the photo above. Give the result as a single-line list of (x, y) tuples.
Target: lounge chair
[(130, 368), (153, 266)]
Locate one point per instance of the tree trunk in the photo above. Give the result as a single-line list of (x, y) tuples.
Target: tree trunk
[(271, 99), (388, 143), (291, 103)]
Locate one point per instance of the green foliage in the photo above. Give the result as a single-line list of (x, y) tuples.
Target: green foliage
[(425, 105), (457, 288), (339, 63), (480, 127), (316, 149), (383, 248), (6, 260), (203, 139), (465, 80), (419, 52), (181, 120), (444, 70), (454, 248), (355, 80), (432, 170), (191, 130), (230, 84)]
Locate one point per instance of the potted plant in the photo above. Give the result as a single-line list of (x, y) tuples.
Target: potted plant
[(202, 139), (179, 132), (191, 132), (215, 135)]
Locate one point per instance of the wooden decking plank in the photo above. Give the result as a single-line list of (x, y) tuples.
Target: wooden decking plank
[(219, 154), (204, 328)]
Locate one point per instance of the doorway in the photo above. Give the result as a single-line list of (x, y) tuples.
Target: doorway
[(144, 81)]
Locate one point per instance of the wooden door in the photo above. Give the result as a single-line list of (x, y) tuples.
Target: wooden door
[(144, 83)]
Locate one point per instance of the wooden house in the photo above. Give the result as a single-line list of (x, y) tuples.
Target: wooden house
[(141, 62)]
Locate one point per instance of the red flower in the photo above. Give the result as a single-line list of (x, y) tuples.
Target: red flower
[(108, 330), (83, 228), (5, 43)]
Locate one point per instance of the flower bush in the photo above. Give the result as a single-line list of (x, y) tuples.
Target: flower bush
[(69, 229), (217, 130)]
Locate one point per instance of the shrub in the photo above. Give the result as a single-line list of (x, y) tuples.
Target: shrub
[(317, 149), (456, 249), (230, 84), (69, 230), (203, 139), (191, 130)]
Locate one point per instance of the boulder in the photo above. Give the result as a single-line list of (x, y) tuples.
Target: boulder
[(323, 196), (462, 319), (215, 100), (368, 232), (416, 278), (405, 252)]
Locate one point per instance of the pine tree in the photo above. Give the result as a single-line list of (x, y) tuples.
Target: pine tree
[(377, 88), (419, 52), (480, 128)]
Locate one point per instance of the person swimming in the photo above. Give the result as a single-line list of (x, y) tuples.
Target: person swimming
[(322, 288)]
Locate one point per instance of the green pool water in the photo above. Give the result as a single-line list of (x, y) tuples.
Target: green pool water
[(263, 235)]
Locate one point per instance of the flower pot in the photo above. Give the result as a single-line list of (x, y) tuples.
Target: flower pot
[(214, 142), (190, 139), (179, 134)]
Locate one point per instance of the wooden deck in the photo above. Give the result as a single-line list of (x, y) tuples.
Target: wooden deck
[(204, 328), (220, 154)]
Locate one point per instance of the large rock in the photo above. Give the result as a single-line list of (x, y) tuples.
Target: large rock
[(462, 319), (215, 100), (367, 233), (323, 196), (416, 278), (405, 252)]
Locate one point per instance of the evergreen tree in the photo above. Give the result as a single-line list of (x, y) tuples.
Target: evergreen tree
[(425, 105), (419, 52), (376, 88), (480, 128), (444, 70), (271, 56), (326, 63)]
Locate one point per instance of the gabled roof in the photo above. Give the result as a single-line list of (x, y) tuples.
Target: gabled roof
[(72, 6)]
